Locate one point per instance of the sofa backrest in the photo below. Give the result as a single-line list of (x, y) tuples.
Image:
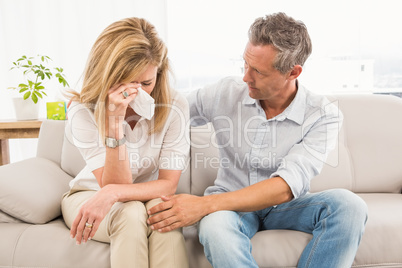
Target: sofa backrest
[(370, 146), (50, 142), (365, 159)]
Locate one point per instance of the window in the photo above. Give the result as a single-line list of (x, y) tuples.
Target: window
[(356, 48)]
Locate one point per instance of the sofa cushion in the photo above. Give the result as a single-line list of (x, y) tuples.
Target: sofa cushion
[(383, 232), (31, 190), (5, 218), (48, 245)]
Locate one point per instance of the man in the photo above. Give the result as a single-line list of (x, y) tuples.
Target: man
[(284, 133)]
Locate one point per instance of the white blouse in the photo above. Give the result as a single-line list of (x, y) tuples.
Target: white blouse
[(167, 149)]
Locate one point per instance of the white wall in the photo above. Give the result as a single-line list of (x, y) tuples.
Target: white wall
[(63, 30), (206, 39)]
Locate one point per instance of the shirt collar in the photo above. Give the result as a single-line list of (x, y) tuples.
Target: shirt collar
[(248, 100), (296, 109)]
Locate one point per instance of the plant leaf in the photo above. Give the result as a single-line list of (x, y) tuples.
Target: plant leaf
[(34, 98), (27, 94), (37, 93)]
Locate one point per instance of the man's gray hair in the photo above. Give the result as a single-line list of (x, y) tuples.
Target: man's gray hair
[(288, 36)]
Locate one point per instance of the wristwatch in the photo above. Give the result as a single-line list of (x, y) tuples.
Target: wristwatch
[(113, 143)]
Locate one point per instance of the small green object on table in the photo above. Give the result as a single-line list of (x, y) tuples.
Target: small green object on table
[(56, 110)]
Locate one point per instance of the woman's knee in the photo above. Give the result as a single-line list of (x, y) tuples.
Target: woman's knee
[(132, 214)]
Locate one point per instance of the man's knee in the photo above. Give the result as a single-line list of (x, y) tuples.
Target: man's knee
[(348, 205), (216, 225)]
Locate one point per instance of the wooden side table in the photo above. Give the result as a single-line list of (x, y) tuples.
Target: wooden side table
[(12, 129)]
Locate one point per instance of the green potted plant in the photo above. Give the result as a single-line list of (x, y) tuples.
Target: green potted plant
[(36, 71)]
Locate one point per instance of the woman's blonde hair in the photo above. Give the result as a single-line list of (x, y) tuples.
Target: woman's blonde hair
[(121, 53)]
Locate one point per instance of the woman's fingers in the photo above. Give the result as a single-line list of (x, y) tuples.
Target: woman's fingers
[(95, 227), (119, 98), (80, 230), (74, 225), (129, 88), (83, 228), (88, 228)]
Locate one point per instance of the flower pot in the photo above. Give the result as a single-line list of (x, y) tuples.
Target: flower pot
[(26, 109)]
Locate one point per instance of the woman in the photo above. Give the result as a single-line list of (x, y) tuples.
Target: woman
[(130, 161)]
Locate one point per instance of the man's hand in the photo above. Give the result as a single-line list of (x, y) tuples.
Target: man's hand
[(177, 211)]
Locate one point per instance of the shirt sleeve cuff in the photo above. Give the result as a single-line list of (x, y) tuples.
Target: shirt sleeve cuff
[(295, 186), (96, 161)]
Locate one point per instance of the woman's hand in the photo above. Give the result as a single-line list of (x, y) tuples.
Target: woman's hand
[(91, 214), (119, 96)]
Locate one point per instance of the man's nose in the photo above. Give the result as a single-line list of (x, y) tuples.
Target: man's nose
[(247, 76)]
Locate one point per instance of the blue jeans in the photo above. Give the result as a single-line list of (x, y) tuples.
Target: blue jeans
[(336, 219)]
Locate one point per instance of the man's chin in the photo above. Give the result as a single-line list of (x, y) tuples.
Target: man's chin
[(252, 92)]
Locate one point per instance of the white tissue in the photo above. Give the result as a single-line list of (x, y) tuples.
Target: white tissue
[(143, 104)]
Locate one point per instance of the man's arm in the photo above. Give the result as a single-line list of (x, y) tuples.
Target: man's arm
[(183, 210), (303, 162)]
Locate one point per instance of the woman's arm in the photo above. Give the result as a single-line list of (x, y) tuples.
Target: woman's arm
[(117, 167), (173, 158)]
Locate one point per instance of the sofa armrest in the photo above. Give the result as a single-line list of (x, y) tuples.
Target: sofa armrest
[(50, 142)]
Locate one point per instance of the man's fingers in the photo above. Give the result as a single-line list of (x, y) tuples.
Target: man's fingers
[(164, 222), (166, 198), (159, 217), (170, 227), (160, 207)]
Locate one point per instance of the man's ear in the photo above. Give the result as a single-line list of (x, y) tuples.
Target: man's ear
[(295, 72)]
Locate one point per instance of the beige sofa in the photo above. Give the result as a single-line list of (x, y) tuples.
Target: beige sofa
[(366, 161)]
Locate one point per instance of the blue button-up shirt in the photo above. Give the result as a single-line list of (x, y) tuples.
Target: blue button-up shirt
[(293, 145)]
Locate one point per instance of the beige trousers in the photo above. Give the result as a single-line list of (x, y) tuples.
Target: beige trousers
[(132, 242)]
